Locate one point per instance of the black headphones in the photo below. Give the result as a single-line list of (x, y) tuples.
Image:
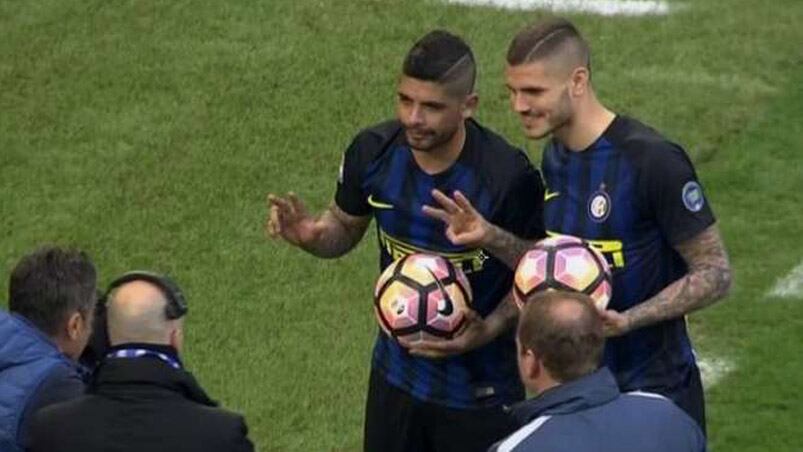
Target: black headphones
[(98, 344), (176, 303)]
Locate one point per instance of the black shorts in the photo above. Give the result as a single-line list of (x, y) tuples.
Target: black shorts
[(691, 399), (688, 396), (397, 422)]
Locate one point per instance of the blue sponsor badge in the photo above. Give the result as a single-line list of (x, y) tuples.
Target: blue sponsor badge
[(693, 197)]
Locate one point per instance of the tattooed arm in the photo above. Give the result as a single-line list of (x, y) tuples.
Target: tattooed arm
[(506, 247), (708, 280), (332, 234), (466, 226)]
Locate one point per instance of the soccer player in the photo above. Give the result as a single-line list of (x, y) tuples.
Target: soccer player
[(450, 397), (628, 190)]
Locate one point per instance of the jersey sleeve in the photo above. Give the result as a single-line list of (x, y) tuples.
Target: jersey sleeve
[(523, 211), (673, 195), (349, 196)]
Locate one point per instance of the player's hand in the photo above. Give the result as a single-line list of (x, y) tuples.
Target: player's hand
[(288, 218), (614, 323), (464, 225), (475, 334)]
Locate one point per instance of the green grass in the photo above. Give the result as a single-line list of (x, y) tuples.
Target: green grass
[(149, 132)]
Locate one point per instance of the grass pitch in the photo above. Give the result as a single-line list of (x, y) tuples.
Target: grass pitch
[(149, 132)]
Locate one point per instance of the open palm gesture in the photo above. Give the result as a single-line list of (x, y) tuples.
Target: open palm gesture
[(289, 219)]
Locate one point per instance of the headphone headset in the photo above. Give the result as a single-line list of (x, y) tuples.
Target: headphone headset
[(98, 344), (176, 303)]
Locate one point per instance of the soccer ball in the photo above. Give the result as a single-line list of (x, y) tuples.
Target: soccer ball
[(563, 263), (422, 296)]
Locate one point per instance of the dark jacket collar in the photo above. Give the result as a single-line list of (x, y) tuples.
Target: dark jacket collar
[(115, 375), (586, 392)]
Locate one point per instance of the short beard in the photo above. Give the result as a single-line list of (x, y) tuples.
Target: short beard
[(561, 117), (436, 140)]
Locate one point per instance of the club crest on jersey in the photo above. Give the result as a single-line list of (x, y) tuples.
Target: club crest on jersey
[(599, 205), (693, 197)]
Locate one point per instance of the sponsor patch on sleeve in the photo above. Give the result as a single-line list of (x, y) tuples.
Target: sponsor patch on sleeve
[(693, 197)]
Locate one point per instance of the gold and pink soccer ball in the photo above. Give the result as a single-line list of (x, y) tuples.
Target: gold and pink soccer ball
[(422, 296), (563, 263)]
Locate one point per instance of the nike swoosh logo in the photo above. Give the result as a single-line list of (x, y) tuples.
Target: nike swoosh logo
[(550, 194), (378, 204), (448, 306)]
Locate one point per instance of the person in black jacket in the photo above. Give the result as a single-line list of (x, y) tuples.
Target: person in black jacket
[(141, 398)]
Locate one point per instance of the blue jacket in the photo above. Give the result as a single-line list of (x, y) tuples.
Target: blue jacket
[(591, 414), (33, 373)]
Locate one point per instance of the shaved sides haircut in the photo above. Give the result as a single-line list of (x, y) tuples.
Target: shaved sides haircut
[(443, 58), (565, 330), (556, 39)]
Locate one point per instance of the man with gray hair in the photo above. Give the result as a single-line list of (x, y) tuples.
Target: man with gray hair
[(141, 397), (578, 406)]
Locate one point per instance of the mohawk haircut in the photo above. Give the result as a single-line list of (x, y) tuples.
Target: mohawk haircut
[(555, 39), (443, 58)]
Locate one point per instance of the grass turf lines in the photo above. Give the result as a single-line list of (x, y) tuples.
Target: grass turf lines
[(149, 132)]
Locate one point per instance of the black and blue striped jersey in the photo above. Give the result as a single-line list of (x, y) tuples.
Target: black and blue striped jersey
[(634, 195), (380, 177)]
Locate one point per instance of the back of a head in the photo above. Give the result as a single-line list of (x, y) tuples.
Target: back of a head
[(555, 40), (443, 58), (50, 284), (136, 314), (565, 330)]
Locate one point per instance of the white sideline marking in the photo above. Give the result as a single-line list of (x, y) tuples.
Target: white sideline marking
[(602, 7), (791, 285), (712, 370)]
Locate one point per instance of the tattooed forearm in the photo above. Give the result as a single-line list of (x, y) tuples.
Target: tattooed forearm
[(504, 317), (708, 280), (338, 233), (507, 247)]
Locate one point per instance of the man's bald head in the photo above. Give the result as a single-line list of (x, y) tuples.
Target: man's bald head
[(136, 313), (556, 42), (565, 330)]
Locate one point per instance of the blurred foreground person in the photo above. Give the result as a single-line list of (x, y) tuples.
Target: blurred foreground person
[(52, 294), (141, 398), (578, 406)]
